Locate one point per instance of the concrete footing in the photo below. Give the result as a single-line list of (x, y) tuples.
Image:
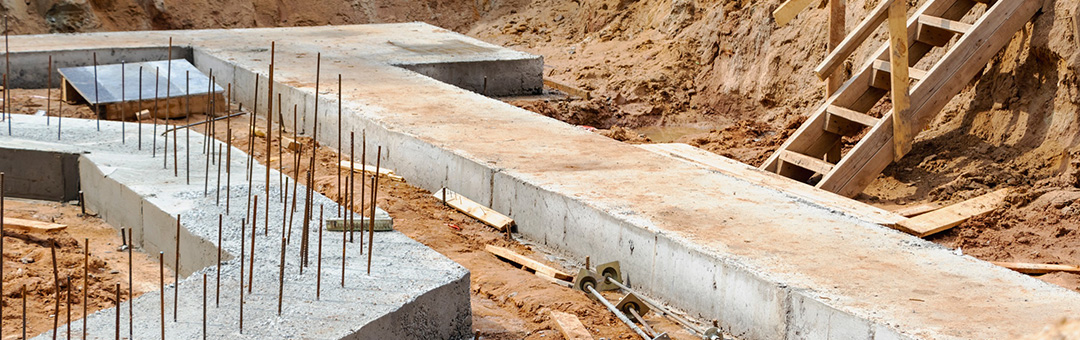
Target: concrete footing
[(412, 292)]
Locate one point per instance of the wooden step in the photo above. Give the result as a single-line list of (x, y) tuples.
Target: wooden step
[(806, 162), (839, 120), (952, 73), (882, 79), (937, 31), (955, 27)]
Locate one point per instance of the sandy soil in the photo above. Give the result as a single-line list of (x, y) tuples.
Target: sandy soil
[(28, 263)]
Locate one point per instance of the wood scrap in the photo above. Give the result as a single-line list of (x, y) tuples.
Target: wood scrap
[(356, 167), (917, 210), (1038, 268), (570, 326), (526, 262), (290, 144), (951, 216), (474, 210), (31, 225), (569, 90)]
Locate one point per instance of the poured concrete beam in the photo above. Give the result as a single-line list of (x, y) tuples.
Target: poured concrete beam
[(412, 292)]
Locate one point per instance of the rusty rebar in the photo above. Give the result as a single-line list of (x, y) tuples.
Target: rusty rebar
[(269, 136), (60, 116), (86, 282), (48, 96), (68, 310), (318, 260), (153, 117), (281, 276), (138, 119), (340, 189), (217, 193), (56, 284), (24, 309), (374, 199), (243, 228), (363, 163), (131, 286), (1, 236), (187, 131), (228, 167), (350, 185), (217, 286), (204, 306), (161, 290), (176, 271), (282, 191), (123, 99), (251, 267), (117, 311), (97, 102), (168, 96)]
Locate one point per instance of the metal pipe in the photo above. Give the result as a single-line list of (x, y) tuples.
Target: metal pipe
[(657, 305), (619, 314)]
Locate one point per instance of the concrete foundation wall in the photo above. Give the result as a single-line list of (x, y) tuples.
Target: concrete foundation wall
[(44, 175), (30, 70), (503, 78)]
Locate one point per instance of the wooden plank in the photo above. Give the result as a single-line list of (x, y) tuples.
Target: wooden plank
[(1038, 268), (951, 216), (913, 73), (849, 115), (367, 169), (31, 225), (967, 57), (569, 90), (917, 210), (570, 326), (837, 33), (806, 162), (475, 210), (789, 9), (526, 262), (853, 40), (944, 24), (898, 62), (730, 167)]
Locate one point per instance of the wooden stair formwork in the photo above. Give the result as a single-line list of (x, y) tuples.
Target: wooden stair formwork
[(815, 148)]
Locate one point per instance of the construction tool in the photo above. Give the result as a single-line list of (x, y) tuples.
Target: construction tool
[(711, 333), (590, 288)]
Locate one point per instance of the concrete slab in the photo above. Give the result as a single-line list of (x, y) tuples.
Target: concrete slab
[(412, 292), (765, 263)]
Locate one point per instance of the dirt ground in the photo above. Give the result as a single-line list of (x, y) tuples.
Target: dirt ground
[(28, 263)]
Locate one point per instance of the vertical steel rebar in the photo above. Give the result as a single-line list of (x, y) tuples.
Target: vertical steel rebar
[(281, 276), (228, 166), (176, 272), (217, 286), (154, 116), (161, 290), (243, 228), (86, 282), (341, 193), (254, 230), (187, 131), (97, 102), (374, 199), (318, 260), (48, 98), (56, 285)]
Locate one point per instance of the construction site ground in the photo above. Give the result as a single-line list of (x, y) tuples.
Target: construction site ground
[(507, 302), (722, 76)]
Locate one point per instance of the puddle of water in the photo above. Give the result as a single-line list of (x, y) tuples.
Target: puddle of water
[(668, 134)]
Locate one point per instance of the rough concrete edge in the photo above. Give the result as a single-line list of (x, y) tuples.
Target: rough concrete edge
[(400, 324)]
